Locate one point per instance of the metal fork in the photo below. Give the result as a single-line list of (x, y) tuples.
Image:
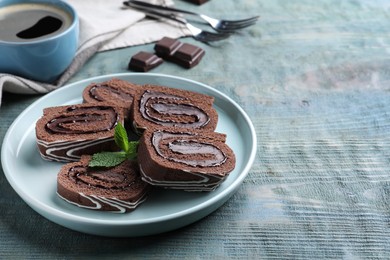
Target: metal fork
[(217, 24), (197, 33)]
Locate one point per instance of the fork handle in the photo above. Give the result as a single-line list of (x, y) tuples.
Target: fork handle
[(154, 14), (135, 3)]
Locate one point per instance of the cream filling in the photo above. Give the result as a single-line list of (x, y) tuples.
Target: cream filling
[(70, 147), (201, 185), (99, 201)]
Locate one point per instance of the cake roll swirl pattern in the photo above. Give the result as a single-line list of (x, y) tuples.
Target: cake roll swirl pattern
[(157, 106), (99, 92), (119, 189), (116, 91), (193, 161), (83, 120), (171, 110), (65, 133)]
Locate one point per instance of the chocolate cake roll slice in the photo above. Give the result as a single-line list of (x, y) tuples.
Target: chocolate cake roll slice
[(65, 133), (118, 189), (159, 106), (117, 91), (187, 160)]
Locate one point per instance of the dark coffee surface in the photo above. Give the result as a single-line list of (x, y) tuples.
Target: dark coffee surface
[(44, 26), (25, 22)]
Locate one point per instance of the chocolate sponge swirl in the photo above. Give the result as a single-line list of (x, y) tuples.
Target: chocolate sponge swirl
[(157, 106), (84, 120), (193, 161), (65, 133), (118, 189), (99, 92), (117, 91), (187, 149), (171, 110)]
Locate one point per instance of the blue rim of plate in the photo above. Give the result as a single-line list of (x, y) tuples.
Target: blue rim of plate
[(37, 204)]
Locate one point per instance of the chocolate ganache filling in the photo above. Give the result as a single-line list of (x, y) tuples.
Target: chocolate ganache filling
[(99, 91), (187, 149), (84, 120), (170, 110), (103, 179)]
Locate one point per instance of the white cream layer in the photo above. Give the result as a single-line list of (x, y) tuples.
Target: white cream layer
[(99, 201), (200, 185), (70, 148)]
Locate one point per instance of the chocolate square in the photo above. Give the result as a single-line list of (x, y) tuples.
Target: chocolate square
[(167, 47), (183, 54), (144, 61), (188, 55)]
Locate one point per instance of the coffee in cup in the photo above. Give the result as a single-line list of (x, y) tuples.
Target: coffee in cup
[(38, 38), (25, 22)]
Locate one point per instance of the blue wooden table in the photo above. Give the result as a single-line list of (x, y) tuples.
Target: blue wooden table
[(314, 78)]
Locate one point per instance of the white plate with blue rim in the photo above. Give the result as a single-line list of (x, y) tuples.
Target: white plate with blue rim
[(35, 179)]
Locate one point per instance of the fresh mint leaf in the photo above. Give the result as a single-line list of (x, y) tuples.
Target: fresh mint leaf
[(121, 138), (111, 159), (132, 151), (107, 159)]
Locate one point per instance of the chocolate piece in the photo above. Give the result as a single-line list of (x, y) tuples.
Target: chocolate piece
[(65, 133), (188, 55), (190, 160), (118, 189), (166, 47), (116, 91), (158, 106), (183, 54), (144, 61)]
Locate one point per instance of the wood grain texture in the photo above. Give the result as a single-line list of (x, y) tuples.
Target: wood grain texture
[(314, 78)]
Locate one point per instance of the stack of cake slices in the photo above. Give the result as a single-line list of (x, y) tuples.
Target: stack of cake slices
[(178, 146)]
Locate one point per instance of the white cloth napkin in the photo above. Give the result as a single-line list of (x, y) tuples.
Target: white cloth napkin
[(104, 25)]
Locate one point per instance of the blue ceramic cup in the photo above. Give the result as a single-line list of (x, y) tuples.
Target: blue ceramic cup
[(38, 38)]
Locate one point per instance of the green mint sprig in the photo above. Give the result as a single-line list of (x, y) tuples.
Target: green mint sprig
[(111, 159)]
